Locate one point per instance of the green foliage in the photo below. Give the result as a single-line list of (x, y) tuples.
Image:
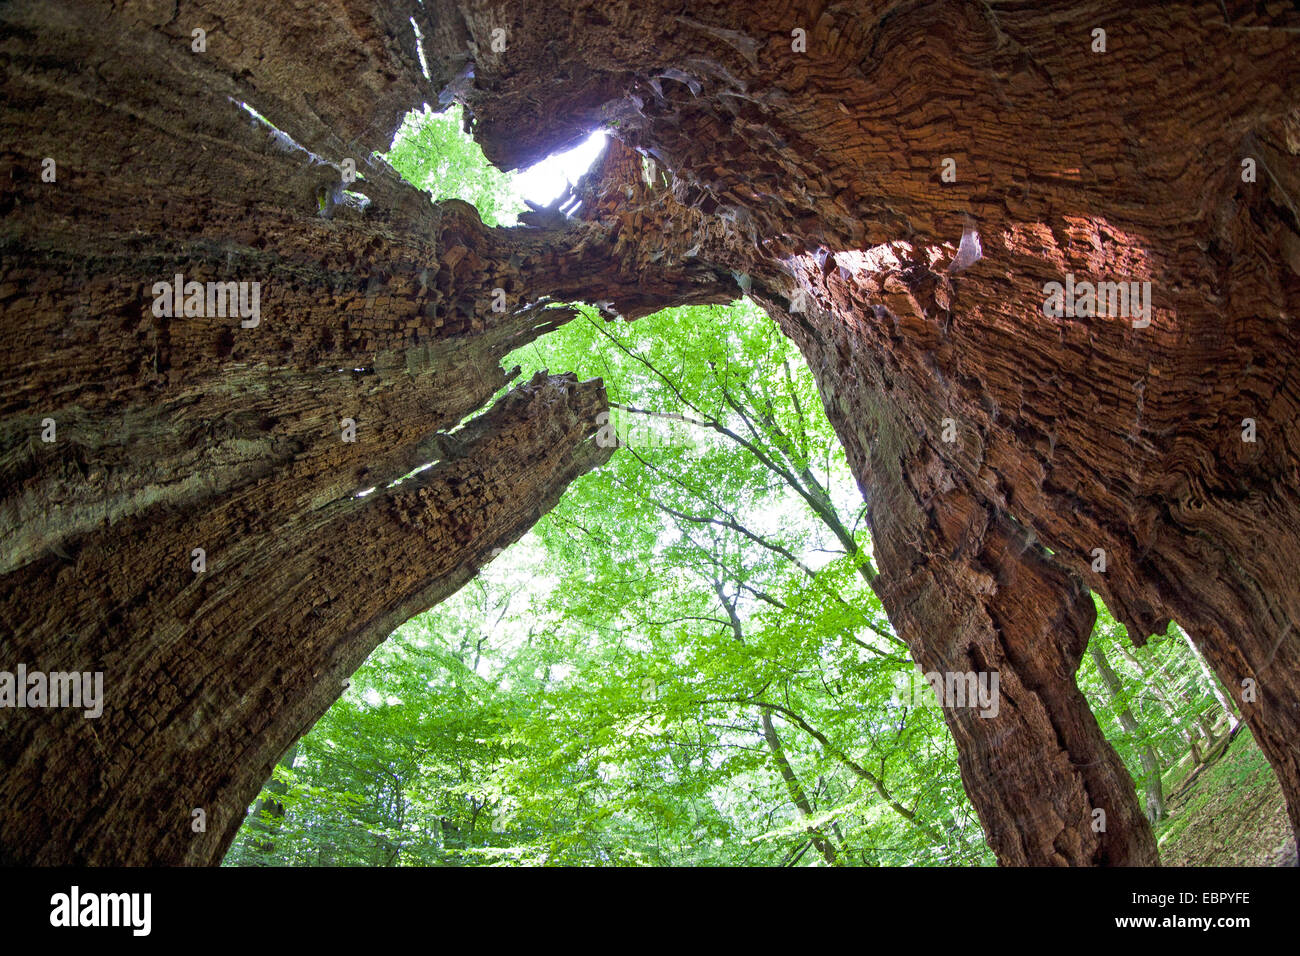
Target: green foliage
[(1165, 690), (432, 151), (592, 700)]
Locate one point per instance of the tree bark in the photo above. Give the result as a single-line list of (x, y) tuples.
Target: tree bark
[(1212, 686), (817, 177), (268, 812), (219, 672), (811, 177)]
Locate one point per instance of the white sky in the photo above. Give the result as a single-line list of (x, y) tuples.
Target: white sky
[(546, 180)]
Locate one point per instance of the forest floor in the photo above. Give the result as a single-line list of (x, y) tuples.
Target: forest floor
[(1231, 814)]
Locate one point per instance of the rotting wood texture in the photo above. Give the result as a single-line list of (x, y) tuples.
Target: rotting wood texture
[(805, 145)]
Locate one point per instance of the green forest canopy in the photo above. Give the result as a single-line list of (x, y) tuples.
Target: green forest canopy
[(684, 662)]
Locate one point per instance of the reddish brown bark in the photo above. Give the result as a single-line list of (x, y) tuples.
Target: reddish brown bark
[(1072, 434), (208, 675), (184, 432), (815, 179)]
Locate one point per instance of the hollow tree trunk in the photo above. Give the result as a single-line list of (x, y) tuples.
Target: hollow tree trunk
[(998, 447), (817, 176), (185, 432)]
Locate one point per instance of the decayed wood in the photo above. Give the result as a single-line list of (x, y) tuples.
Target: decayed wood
[(810, 177), (182, 432), (821, 172), (210, 676)]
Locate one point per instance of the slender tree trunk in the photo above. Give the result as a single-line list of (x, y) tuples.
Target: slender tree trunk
[(268, 813), (797, 796), (1161, 685), (1208, 681), (1150, 783)]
